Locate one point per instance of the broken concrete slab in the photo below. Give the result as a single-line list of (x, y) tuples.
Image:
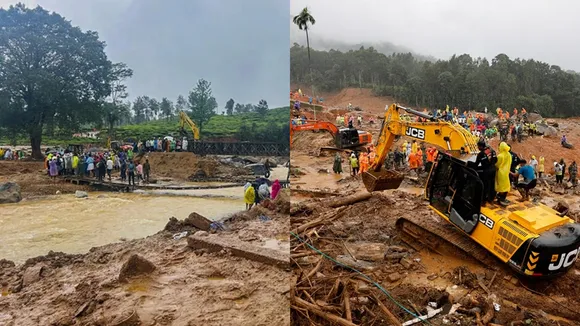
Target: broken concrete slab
[(198, 221), (240, 248)]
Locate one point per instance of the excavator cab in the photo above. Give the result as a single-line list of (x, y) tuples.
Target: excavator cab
[(347, 138), (455, 190)]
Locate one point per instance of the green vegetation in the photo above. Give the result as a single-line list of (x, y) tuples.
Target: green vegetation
[(59, 94), (270, 127), (461, 81)]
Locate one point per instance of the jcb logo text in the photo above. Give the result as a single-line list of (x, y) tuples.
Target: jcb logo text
[(564, 261), (486, 221), (415, 133)]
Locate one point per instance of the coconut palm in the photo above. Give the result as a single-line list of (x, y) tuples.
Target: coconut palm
[(302, 20)]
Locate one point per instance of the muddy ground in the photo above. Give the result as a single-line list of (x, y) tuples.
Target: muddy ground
[(185, 286), (417, 280)]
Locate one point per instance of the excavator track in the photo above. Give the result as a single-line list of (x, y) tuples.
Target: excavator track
[(439, 235)]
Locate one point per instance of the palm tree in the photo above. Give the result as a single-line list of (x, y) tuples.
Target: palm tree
[(302, 20)]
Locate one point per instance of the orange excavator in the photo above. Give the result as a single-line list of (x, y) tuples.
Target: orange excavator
[(344, 138)]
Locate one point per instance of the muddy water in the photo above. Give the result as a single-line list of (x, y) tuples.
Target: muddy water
[(72, 225)]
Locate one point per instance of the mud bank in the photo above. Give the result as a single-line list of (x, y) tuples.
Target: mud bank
[(168, 283)]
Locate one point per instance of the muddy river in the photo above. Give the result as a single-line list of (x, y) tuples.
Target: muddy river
[(74, 225)]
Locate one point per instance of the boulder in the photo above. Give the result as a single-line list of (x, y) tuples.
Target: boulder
[(9, 193), (534, 117), (546, 130), (81, 194), (135, 266)]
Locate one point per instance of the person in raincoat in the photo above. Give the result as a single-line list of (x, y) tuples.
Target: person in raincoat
[(502, 175), (541, 167), (53, 168), (276, 186), (249, 195), (354, 164), (263, 191), (337, 165)]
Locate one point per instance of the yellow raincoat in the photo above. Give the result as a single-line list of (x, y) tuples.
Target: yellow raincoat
[(404, 147), (250, 195), (502, 176), (414, 147), (541, 165)]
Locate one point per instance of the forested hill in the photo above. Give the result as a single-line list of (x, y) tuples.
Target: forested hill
[(461, 81)]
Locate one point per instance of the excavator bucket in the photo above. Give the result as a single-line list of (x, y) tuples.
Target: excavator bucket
[(382, 180)]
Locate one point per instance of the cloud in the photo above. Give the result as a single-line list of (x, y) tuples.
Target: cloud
[(536, 29), (241, 47)]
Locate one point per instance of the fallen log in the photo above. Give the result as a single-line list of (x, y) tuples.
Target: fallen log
[(321, 220), (392, 318), (349, 200), (326, 315)]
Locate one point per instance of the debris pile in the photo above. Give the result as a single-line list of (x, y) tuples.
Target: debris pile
[(351, 267)]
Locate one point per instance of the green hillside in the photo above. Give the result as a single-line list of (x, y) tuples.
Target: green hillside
[(271, 127)]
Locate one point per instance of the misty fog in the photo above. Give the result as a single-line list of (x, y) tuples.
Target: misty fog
[(542, 30)]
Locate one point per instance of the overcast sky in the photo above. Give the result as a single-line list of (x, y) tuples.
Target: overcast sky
[(539, 29), (241, 47)]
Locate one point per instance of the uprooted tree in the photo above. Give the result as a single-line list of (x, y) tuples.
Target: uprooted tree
[(52, 74)]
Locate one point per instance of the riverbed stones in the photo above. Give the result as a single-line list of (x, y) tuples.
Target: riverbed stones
[(198, 221), (81, 194), (9, 193), (32, 274), (135, 266)]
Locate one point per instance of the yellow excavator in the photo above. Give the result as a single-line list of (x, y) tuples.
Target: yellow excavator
[(533, 239), (185, 120)]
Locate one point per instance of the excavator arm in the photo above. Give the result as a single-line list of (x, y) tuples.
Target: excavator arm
[(185, 120), (314, 126), (449, 136)]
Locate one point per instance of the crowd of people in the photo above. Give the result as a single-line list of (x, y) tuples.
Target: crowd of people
[(98, 165), (259, 190)]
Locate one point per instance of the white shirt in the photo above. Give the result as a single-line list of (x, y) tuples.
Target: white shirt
[(109, 164), (534, 164)]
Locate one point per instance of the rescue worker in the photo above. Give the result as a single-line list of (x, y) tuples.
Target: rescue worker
[(541, 167), (485, 166), (431, 155), (337, 165), (354, 164), (364, 163), (558, 171), (573, 171), (502, 175), (529, 183), (414, 162)]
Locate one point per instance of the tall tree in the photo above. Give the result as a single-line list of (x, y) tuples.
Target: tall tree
[(166, 107), (239, 108), (115, 110), (140, 107), (302, 20), (230, 107), (201, 103), (52, 72), (181, 104), (154, 109), (262, 107)]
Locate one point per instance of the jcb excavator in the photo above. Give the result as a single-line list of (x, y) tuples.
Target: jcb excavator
[(185, 120), (531, 238), (344, 138)]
